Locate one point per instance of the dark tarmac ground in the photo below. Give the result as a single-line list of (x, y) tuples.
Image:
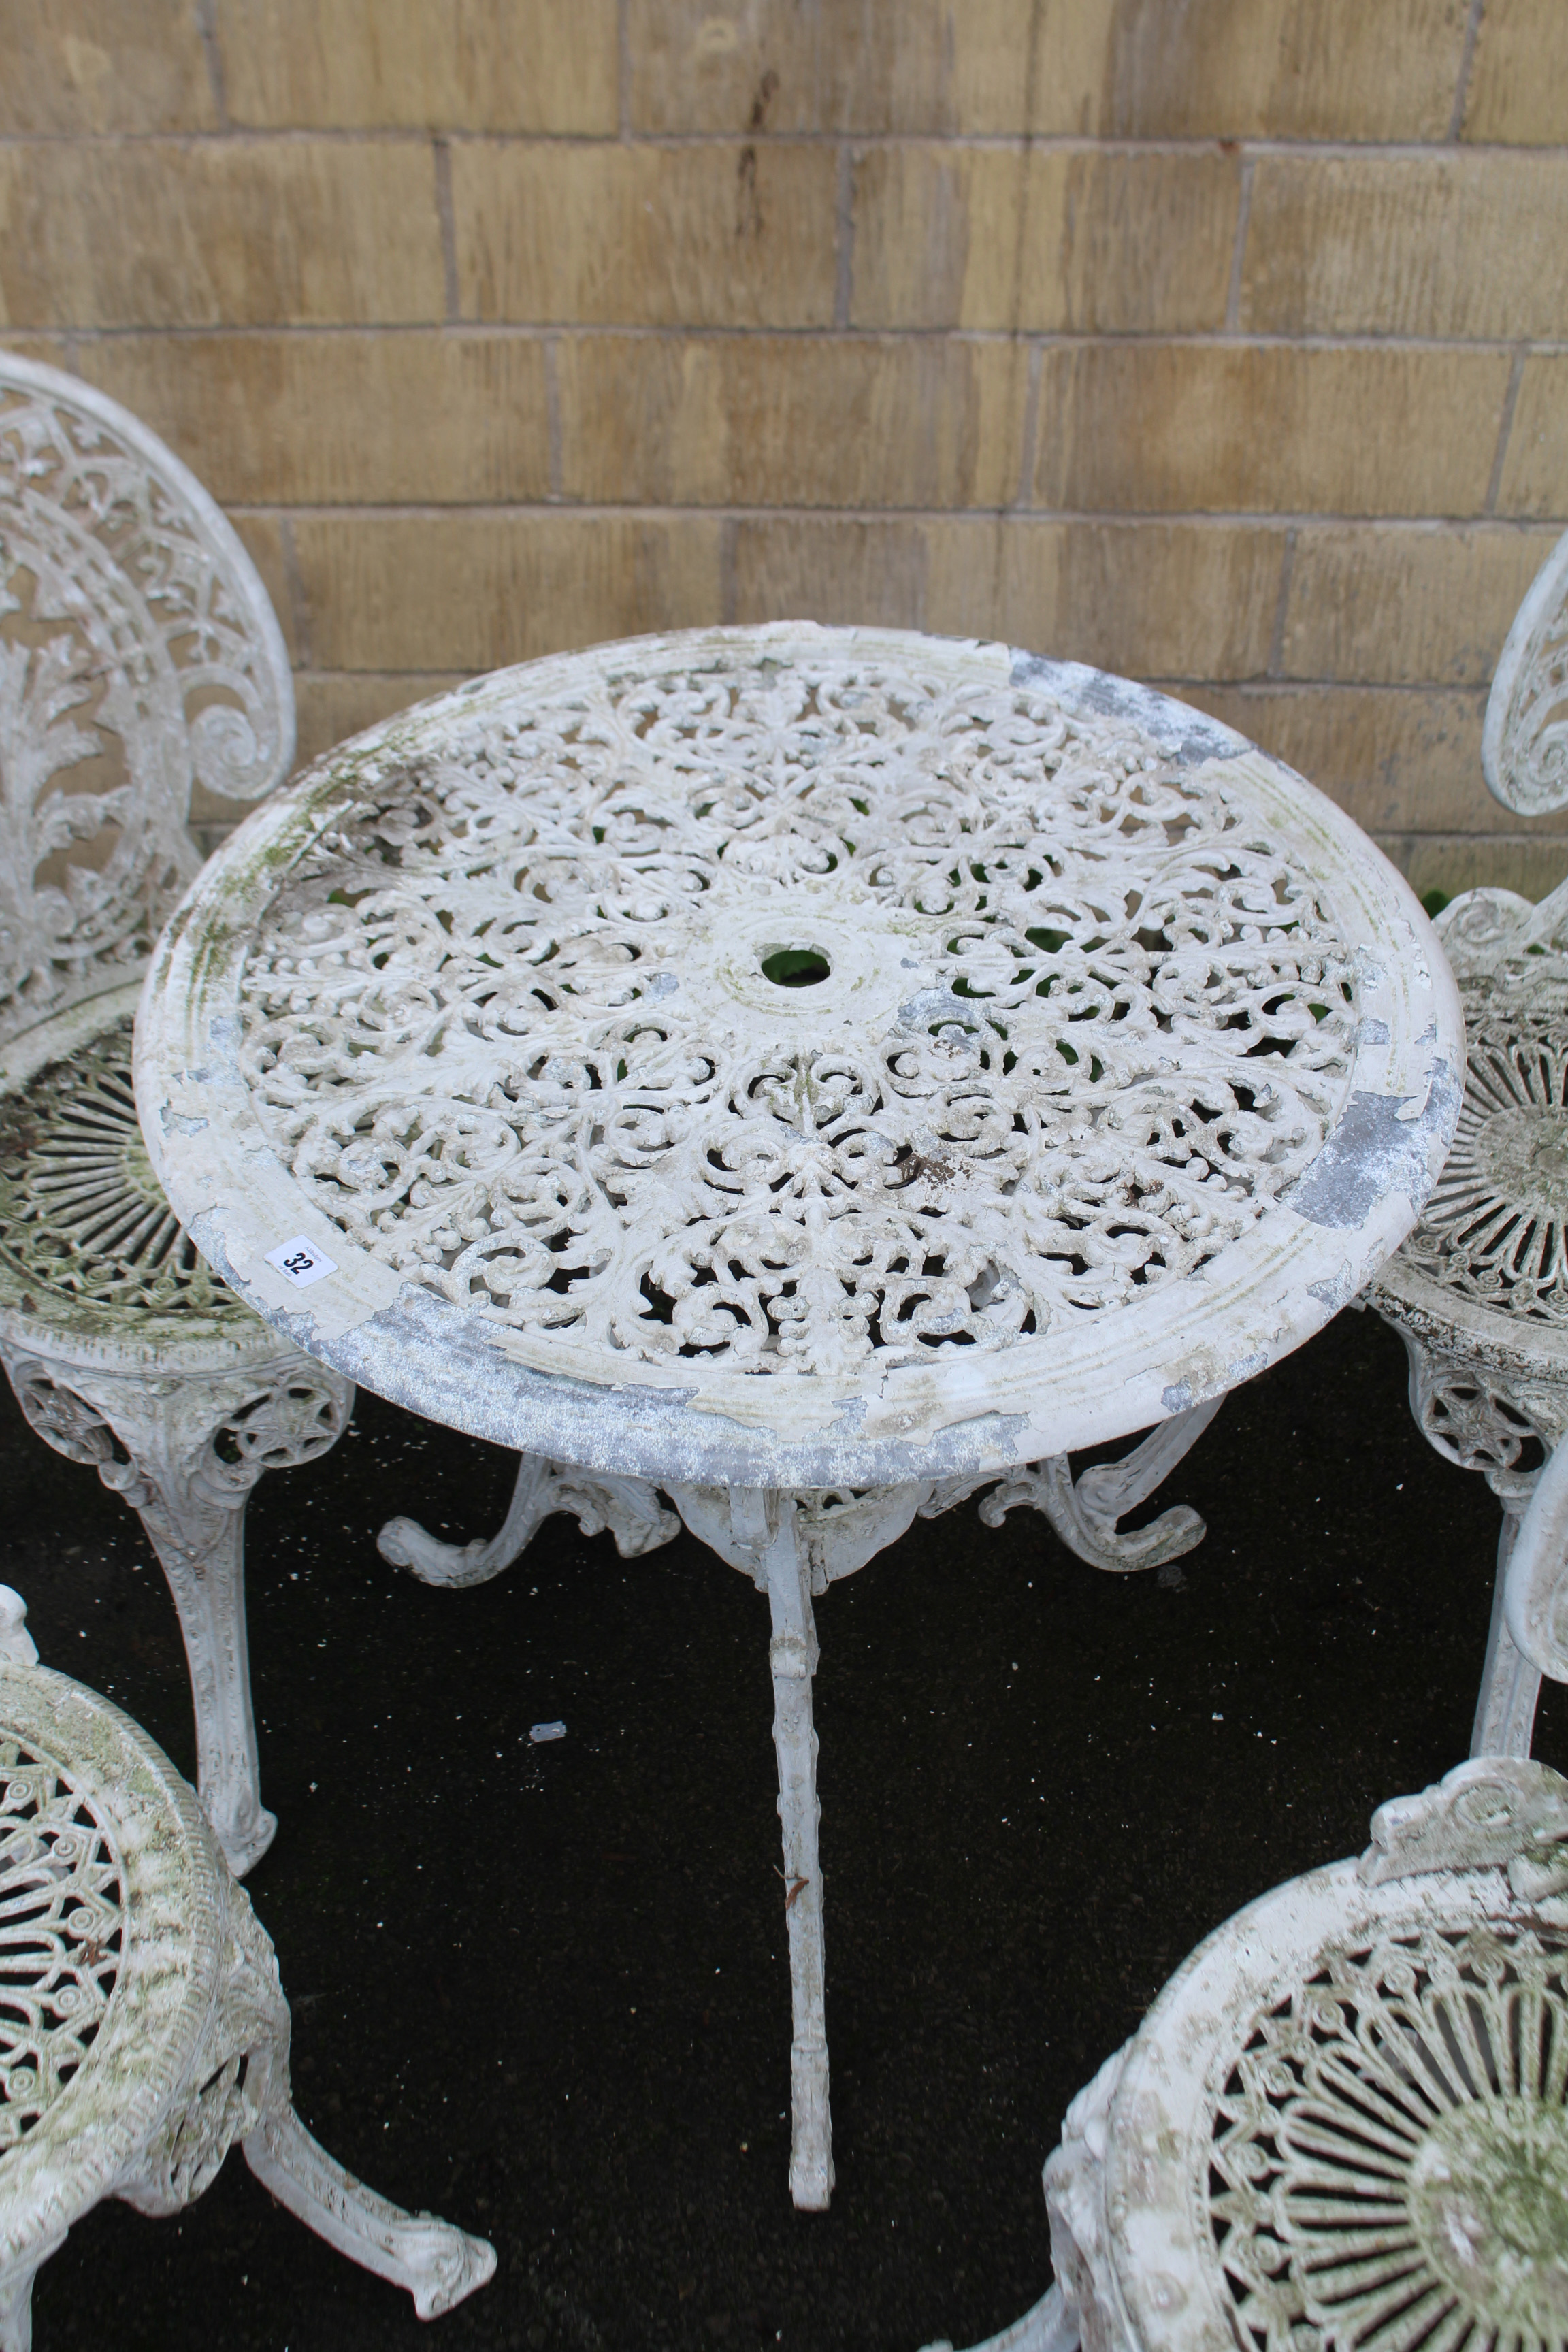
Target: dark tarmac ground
[(543, 1990)]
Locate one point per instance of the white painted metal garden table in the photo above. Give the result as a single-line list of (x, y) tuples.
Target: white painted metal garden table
[(814, 1073)]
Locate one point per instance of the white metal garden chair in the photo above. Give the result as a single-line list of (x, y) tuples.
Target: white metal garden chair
[(1344, 2122), (1343, 2118), (1479, 1293), (140, 659), (144, 2029)]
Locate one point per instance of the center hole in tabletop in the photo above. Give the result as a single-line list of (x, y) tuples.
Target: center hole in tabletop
[(796, 967)]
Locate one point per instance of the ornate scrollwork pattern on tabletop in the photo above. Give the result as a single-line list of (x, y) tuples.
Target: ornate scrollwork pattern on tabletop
[(62, 1921), (82, 1213), (787, 1012), (1389, 2159), (136, 657)]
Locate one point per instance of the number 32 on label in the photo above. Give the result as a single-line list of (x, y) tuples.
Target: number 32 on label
[(301, 1262)]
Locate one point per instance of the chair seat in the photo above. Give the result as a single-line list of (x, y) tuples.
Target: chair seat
[(144, 2030), (1493, 1238), (63, 1896), (85, 1228), (1478, 1291), (1344, 2120), (98, 2023)]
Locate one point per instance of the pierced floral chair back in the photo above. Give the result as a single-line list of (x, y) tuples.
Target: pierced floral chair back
[(1524, 743), (1487, 934), (1495, 1230), (140, 659)]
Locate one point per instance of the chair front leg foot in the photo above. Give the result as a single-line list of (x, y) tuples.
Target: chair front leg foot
[(629, 1507), (1049, 2326), (438, 2264)]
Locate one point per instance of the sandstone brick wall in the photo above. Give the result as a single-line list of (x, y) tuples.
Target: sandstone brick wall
[(1224, 343)]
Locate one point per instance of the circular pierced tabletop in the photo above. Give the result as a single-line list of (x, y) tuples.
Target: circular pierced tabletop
[(793, 1056)]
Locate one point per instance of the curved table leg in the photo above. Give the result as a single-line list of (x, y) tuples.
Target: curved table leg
[(767, 1527), (629, 1507), (1084, 1511)]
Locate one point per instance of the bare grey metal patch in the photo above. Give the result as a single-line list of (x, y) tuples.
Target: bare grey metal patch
[(1337, 1293), (1186, 736), (933, 1007), (451, 1366), (1373, 1153)]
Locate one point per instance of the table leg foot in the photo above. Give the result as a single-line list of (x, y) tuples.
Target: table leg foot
[(811, 2130), (629, 1507), (767, 1525), (1084, 1511)]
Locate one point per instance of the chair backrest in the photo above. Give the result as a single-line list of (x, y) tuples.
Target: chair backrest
[(139, 657), (1487, 934), (1524, 741)]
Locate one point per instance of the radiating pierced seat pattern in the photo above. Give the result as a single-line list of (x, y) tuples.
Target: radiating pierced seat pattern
[(1496, 1226), (1390, 2154), (81, 1212), (1342, 2126)]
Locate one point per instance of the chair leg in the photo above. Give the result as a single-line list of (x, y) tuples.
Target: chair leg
[(183, 1452), (16, 2294), (629, 1507), (205, 1565), (16, 2310), (438, 2264), (1510, 1686)]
